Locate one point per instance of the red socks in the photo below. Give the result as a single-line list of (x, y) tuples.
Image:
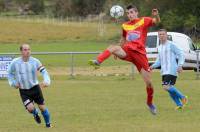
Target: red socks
[(103, 56), (149, 95)]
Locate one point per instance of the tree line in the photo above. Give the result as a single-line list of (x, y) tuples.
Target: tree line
[(176, 15)]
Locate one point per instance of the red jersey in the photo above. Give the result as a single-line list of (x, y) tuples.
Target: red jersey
[(135, 33)]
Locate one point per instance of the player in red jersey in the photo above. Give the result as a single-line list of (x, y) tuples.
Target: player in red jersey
[(132, 47)]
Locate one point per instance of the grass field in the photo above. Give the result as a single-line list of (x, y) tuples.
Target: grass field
[(90, 103), (41, 30), (63, 63), (104, 104)]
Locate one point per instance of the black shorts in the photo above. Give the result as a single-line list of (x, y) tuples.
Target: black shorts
[(168, 79), (32, 95)]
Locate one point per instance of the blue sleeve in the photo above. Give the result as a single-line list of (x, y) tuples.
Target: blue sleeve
[(179, 53), (157, 63), (11, 75)]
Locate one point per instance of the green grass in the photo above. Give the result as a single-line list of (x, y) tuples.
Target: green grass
[(63, 46), (89, 103), (198, 45), (18, 30), (58, 46), (104, 104), (53, 35)]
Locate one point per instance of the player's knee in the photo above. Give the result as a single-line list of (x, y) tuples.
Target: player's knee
[(30, 107), (30, 110), (110, 47), (165, 87), (42, 107), (149, 83), (113, 48)]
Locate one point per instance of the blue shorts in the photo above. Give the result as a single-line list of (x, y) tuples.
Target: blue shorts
[(168, 79), (32, 95)]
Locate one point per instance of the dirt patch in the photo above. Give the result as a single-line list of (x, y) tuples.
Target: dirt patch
[(90, 71)]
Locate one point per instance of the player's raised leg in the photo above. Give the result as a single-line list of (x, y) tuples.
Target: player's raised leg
[(112, 49)]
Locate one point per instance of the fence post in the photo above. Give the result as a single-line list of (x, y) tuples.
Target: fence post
[(197, 52), (132, 71), (72, 65)]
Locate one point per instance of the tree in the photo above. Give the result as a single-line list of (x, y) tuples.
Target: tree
[(36, 6), (83, 8), (2, 5)]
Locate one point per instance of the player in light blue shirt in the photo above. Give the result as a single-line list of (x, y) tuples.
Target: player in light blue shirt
[(168, 54), (22, 75)]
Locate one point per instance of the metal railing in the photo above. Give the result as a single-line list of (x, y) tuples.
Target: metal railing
[(73, 53), (198, 65), (56, 53), (71, 58)]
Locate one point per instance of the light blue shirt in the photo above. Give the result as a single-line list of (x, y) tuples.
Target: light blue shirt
[(25, 73), (168, 54)]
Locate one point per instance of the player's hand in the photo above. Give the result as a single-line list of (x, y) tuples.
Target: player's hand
[(154, 12), (151, 68), (180, 69), (43, 85)]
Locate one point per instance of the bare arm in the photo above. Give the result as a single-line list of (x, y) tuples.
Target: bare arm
[(155, 15), (122, 41)]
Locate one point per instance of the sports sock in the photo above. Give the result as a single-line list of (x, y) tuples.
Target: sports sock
[(177, 92), (35, 111), (103, 56), (46, 116), (175, 99), (149, 95), (178, 102)]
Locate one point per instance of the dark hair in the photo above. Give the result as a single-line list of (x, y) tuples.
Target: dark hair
[(132, 7), (162, 29), (21, 47)]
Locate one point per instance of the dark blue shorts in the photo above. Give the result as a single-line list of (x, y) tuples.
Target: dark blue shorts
[(168, 79), (32, 95)]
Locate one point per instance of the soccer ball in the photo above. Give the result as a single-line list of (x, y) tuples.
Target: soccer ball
[(116, 11)]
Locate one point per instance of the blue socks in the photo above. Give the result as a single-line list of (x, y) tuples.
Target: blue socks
[(176, 95), (175, 99), (46, 116), (35, 112), (173, 89)]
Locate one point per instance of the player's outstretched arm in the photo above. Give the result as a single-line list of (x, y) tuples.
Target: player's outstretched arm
[(122, 41), (155, 15), (46, 82), (156, 64)]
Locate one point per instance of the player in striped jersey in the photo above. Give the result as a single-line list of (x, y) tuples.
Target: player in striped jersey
[(168, 53), (22, 75)]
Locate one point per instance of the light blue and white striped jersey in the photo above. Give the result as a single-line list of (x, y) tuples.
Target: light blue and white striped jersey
[(25, 73), (168, 53)]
